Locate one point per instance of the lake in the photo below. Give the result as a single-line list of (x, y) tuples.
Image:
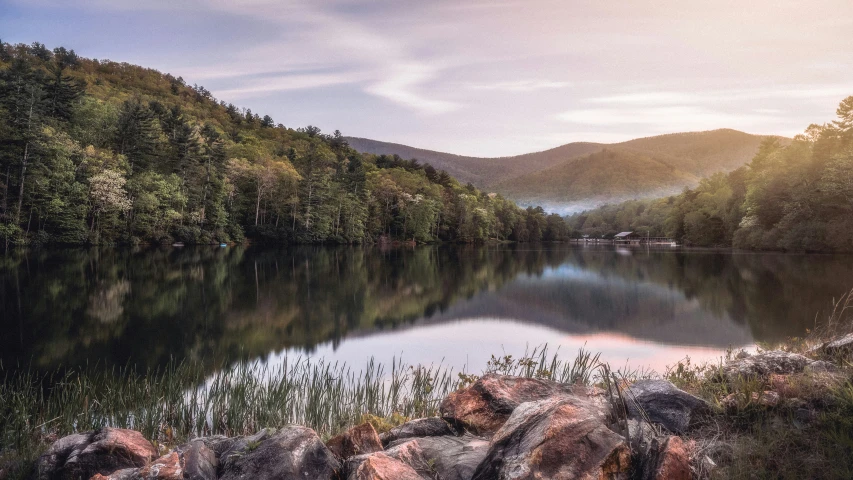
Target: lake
[(457, 305)]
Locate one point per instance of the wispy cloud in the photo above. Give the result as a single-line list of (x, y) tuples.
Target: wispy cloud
[(378, 64), (513, 75), (712, 96), (399, 87), (665, 118), (519, 85)]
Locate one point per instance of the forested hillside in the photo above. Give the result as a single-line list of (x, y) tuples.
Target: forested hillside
[(584, 173), (795, 196), (482, 172), (95, 151)]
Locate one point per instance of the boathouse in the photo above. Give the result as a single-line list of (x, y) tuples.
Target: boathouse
[(627, 238)]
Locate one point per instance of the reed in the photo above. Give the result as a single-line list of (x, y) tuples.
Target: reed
[(181, 400)]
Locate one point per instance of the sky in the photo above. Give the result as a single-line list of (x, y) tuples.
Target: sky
[(480, 77)]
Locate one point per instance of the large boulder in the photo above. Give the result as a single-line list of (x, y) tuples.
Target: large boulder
[(484, 406), (446, 457), (191, 461), (661, 402), (355, 441), (218, 443), (100, 452), (762, 365), (200, 461), (380, 466), (422, 427), (558, 438), (288, 454)]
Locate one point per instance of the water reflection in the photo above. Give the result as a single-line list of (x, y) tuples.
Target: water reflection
[(146, 306)]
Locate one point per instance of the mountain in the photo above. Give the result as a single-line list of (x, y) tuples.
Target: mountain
[(480, 171), (578, 175), (701, 153), (611, 174)]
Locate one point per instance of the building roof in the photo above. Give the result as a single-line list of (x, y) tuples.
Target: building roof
[(623, 234)]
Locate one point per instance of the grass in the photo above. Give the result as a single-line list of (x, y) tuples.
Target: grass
[(181, 401), (808, 433)]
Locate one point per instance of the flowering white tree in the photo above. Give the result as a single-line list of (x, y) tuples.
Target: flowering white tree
[(108, 195)]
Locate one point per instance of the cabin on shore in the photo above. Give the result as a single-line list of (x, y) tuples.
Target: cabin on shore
[(633, 238), (627, 238)]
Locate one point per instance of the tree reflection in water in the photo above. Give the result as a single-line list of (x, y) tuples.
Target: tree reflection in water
[(145, 306)]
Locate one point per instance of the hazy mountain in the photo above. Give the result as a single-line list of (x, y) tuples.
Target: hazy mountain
[(480, 171), (579, 175), (610, 174)]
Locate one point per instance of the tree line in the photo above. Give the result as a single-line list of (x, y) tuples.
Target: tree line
[(794, 196), (101, 152)]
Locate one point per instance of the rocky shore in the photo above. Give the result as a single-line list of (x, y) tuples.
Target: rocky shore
[(499, 427)]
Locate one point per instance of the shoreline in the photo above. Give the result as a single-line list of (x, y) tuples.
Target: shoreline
[(744, 396)]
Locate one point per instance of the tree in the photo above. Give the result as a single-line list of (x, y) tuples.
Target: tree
[(23, 100), (136, 134), (266, 176), (108, 195)]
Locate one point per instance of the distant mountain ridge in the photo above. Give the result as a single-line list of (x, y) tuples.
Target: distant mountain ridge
[(484, 171), (582, 174)]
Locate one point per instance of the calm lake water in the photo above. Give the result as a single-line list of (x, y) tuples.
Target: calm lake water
[(456, 305)]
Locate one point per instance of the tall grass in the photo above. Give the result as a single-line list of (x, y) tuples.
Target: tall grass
[(181, 401), (838, 323)]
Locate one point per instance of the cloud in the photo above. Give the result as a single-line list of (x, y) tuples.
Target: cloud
[(520, 85), (716, 96), (665, 118), (484, 77), (285, 83), (399, 86), (378, 64)]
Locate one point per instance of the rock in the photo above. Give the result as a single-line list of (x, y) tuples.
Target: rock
[(484, 406), (731, 401), (167, 467), (290, 453), (674, 460), (446, 457), (355, 441), (762, 365), (558, 438), (665, 404), (821, 366), (741, 354), (380, 466), (51, 462), (840, 346), (452, 457), (767, 398), (422, 427), (126, 474), (193, 461), (645, 444), (199, 461), (218, 443), (100, 452)]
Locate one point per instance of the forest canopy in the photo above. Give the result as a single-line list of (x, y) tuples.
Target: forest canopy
[(96, 151), (789, 197)]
